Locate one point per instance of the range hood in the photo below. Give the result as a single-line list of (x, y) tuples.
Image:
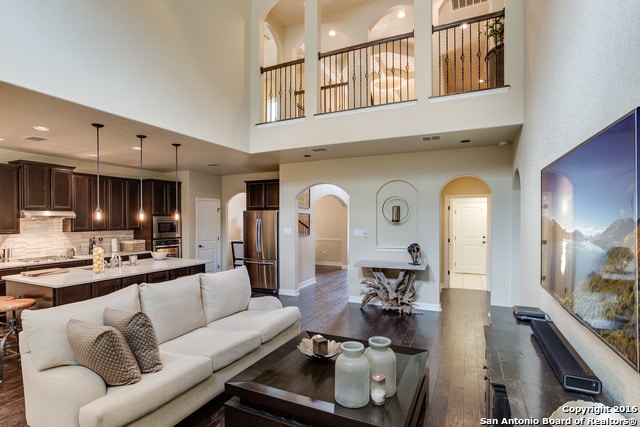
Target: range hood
[(46, 214)]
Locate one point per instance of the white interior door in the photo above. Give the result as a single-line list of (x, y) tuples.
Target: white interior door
[(470, 235), (208, 232)]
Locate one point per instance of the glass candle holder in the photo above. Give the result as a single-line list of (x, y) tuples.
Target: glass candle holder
[(378, 390)]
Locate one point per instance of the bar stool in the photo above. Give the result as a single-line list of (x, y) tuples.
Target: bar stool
[(13, 327)]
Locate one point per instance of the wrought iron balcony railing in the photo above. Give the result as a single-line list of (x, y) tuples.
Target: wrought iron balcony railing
[(469, 54), (283, 91), (368, 74)]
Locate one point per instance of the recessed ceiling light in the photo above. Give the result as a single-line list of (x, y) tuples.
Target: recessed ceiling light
[(1, 139), (92, 155), (464, 141), (213, 165), (41, 128), (401, 14), (503, 143), (136, 147), (332, 33), (318, 149)]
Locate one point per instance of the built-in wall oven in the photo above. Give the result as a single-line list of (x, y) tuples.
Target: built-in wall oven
[(172, 247), (166, 227)]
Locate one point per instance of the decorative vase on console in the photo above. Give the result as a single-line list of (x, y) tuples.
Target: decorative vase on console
[(352, 376), (382, 360)]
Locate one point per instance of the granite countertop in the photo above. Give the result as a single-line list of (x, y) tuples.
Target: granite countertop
[(58, 259), (85, 274)]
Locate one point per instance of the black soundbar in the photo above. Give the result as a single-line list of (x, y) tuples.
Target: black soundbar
[(567, 365)]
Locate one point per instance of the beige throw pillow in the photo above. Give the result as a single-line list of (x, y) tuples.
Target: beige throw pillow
[(140, 335), (104, 350)]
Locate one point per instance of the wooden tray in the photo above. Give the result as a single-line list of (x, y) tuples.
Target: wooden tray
[(44, 272)]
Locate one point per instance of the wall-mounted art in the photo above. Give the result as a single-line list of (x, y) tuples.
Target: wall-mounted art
[(304, 200), (304, 224), (396, 215)]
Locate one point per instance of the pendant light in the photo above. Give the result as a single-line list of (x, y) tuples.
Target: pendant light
[(98, 211), (177, 214), (141, 212)]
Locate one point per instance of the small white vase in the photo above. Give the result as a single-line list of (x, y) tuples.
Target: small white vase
[(382, 360), (352, 376)]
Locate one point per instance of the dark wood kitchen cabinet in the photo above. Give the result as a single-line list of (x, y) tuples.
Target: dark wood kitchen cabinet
[(119, 201), (133, 204), (82, 199), (44, 186), (161, 196), (117, 205), (9, 199), (263, 194)]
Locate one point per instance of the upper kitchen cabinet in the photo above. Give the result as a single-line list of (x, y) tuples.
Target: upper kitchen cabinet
[(82, 198), (161, 196), (9, 199), (44, 186), (133, 204), (119, 200), (263, 194), (117, 205)]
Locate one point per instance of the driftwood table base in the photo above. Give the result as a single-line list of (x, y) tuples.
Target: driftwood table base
[(397, 294)]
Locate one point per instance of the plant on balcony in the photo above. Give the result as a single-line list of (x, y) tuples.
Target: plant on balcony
[(495, 30)]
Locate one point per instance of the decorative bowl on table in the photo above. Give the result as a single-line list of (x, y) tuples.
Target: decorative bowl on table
[(159, 256), (306, 348)]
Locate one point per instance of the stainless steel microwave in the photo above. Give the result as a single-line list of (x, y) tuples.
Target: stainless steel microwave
[(165, 227)]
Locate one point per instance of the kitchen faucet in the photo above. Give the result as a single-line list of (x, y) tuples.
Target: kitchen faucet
[(116, 260)]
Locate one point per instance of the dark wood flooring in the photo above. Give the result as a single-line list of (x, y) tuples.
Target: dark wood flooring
[(454, 337)]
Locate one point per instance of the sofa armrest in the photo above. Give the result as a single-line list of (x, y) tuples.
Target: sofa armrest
[(264, 304), (53, 397)]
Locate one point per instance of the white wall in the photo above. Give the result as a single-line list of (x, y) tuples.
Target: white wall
[(428, 172), (154, 61), (581, 73)]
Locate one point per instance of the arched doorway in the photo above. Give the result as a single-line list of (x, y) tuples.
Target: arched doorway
[(465, 233), (324, 209), (235, 207)]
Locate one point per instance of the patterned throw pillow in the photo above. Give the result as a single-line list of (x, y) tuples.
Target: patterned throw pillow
[(140, 335), (104, 350)]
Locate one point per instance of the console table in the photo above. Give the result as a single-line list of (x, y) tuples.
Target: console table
[(397, 294), (390, 265), (520, 381)]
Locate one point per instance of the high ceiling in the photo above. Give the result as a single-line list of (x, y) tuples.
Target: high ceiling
[(72, 137)]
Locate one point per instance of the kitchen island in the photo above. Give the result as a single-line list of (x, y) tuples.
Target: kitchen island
[(80, 283)]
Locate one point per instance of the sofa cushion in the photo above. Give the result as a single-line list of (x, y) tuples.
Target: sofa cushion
[(225, 292), (46, 329), (104, 350), (140, 335), (267, 323), (123, 405), (221, 347), (174, 307)]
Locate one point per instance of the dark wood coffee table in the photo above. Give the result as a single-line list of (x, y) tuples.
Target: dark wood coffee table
[(287, 388)]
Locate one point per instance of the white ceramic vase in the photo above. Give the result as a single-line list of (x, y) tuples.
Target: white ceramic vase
[(382, 360), (352, 376)]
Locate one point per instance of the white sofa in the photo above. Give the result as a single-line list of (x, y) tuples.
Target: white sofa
[(208, 328)]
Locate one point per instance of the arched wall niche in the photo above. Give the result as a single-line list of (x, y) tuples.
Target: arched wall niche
[(396, 215)]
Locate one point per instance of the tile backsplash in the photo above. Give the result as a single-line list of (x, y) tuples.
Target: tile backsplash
[(44, 237)]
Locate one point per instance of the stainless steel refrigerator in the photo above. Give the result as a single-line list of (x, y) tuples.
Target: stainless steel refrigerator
[(261, 249)]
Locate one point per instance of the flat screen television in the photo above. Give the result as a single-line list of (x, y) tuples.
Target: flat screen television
[(589, 250)]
